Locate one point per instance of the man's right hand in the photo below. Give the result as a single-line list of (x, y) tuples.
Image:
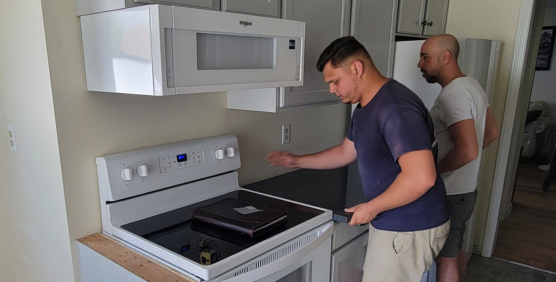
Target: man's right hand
[(334, 157), (284, 159)]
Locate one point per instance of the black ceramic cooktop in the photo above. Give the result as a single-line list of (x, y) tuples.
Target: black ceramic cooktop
[(205, 243), (333, 189)]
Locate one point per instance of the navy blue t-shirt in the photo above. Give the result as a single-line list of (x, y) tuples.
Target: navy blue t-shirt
[(393, 123)]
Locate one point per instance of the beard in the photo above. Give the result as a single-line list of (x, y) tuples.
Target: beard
[(351, 92), (429, 77)]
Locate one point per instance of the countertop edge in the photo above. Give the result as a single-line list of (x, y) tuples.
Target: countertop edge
[(131, 260)]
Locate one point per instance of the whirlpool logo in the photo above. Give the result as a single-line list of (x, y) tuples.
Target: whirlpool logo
[(245, 23)]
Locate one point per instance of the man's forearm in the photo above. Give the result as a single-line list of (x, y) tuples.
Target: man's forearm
[(403, 191), (491, 129), (334, 157), (453, 160), (487, 142), (330, 158), (491, 134)]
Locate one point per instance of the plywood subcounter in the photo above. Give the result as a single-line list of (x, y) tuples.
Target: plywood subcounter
[(111, 252)]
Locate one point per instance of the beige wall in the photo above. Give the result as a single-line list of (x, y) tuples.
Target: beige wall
[(496, 20), (93, 124), (34, 238)]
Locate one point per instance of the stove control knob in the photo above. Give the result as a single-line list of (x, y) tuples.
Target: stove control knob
[(126, 174), (230, 152), (219, 154), (142, 170)]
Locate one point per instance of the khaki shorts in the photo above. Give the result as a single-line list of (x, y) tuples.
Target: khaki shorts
[(460, 208), (402, 256)]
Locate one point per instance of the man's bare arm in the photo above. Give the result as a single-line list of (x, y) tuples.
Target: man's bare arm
[(466, 148), (491, 129), (337, 156), (418, 175)]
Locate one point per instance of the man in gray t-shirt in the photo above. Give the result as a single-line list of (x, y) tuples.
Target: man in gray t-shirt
[(462, 121)]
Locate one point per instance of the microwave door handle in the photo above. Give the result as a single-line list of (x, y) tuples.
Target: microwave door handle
[(286, 260)]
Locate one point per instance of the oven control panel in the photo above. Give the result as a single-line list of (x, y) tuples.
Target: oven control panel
[(174, 162), (146, 170)]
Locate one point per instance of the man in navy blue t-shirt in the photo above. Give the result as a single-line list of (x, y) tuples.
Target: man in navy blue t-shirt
[(392, 138)]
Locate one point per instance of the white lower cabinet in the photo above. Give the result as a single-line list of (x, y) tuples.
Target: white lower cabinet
[(94, 267), (347, 262)]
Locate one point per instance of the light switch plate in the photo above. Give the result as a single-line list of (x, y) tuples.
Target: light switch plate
[(11, 135)]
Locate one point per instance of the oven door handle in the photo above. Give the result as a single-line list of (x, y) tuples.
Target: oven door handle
[(283, 262)]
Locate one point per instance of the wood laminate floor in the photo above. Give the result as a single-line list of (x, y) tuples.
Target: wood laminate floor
[(528, 234)]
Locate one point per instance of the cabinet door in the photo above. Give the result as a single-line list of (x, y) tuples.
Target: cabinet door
[(207, 4), (267, 8), (410, 16), (326, 20), (372, 23), (435, 15), (347, 262)]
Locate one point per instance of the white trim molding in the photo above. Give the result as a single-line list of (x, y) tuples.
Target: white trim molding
[(514, 89)]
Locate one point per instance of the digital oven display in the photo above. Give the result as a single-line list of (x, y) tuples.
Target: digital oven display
[(182, 158)]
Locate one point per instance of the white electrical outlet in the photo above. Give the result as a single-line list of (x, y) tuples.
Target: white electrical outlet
[(286, 133), (11, 134)]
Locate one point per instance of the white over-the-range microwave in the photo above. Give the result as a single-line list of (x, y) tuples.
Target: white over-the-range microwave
[(166, 50)]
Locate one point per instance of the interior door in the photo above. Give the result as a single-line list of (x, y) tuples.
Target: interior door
[(326, 20)]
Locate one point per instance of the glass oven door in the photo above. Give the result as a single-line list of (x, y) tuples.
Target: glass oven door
[(310, 262)]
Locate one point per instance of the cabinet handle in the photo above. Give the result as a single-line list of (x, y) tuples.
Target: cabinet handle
[(430, 24), (424, 22)]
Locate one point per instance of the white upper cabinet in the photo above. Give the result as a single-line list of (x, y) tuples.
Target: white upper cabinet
[(326, 20), (422, 17), (85, 7), (267, 8), (373, 23), (435, 15)]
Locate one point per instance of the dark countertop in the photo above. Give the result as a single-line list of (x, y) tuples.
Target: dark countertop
[(333, 189)]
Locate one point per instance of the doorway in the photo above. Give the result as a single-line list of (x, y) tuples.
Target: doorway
[(528, 213)]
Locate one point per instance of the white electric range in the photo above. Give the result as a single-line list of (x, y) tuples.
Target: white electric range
[(147, 195)]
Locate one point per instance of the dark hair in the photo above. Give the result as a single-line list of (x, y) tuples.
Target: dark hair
[(340, 50)]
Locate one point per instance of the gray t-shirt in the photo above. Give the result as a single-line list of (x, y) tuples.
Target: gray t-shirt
[(461, 99)]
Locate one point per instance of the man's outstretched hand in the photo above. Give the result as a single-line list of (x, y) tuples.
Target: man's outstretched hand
[(284, 159)]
